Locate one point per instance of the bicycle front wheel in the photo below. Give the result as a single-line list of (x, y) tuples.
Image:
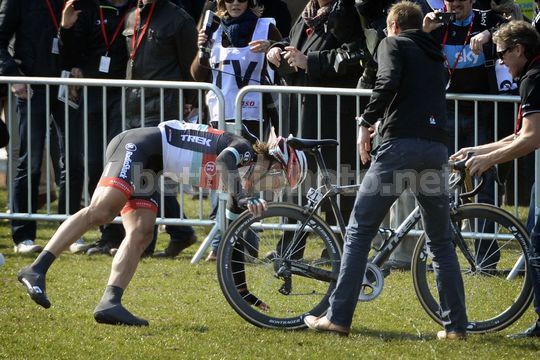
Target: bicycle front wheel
[(492, 248), (286, 259)]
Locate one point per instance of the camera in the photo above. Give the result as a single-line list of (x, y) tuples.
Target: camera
[(210, 24), (347, 56), (445, 17)]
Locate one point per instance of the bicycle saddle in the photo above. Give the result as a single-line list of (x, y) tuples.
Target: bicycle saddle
[(307, 144)]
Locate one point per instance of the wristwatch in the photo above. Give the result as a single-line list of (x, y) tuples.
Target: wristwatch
[(363, 122)]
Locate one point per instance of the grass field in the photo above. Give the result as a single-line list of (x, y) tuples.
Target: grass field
[(190, 319)]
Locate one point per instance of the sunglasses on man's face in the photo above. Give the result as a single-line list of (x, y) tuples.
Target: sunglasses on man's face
[(500, 54), (231, 1)]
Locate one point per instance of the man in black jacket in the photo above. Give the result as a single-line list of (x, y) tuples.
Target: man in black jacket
[(92, 45), (409, 95), (35, 26), (162, 42)]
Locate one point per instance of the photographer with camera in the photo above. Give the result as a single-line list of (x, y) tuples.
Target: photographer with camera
[(232, 44), (470, 66)]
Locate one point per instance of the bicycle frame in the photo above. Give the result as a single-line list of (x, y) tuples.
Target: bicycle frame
[(383, 253)]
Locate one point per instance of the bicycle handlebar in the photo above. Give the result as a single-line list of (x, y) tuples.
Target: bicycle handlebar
[(460, 167)]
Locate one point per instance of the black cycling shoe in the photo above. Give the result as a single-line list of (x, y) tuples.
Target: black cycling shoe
[(117, 315), (533, 331), (35, 286)]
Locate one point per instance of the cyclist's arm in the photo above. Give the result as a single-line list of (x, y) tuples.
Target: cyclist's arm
[(227, 165), (482, 149)]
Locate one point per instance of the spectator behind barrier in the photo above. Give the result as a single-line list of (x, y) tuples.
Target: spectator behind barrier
[(95, 49), (233, 56), (36, 53), (470, 60), (161, 40), (306, 58)]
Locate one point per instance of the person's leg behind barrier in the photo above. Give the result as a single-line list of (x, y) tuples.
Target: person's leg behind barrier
[(32, 133), (401, 257)]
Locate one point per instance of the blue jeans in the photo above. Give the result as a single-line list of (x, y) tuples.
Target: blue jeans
[(533, 225), (423, 161), (21, 229)]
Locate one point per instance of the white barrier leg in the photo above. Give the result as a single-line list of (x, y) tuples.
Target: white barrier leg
[(205, 244), (218, 226)]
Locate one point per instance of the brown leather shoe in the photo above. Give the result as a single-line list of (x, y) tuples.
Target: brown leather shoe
[(323, 324), (175, 247), (451, 335)]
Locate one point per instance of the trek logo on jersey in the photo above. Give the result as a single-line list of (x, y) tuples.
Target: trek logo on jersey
[(127, 164), (196, 139)]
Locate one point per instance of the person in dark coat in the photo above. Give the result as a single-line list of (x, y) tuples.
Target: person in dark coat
[(310, 51), (163, 49), (36, 54), (409, 97)]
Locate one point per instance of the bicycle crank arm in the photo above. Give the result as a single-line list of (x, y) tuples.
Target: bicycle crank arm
[(301, 269)]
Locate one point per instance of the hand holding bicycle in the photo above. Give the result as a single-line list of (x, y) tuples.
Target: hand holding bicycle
[(255, 205), (476, 161)]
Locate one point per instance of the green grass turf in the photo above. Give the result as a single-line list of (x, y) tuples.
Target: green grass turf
[(190, 319)]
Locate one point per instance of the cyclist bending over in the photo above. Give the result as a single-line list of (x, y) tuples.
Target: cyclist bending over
[(193, 153)]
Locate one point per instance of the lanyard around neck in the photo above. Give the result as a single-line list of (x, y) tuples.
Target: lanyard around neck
[(53, 15), (136, 40), (445, 39), (104, 32)]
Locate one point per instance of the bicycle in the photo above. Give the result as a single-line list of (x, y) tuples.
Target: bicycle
[(296, 264)]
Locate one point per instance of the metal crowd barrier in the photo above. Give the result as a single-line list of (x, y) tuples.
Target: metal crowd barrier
[(47, 213), (458, 99), (280, 94)]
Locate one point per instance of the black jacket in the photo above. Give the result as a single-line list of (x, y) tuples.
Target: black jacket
[(409, 91), (165, 53), (321, 49), (83, 45), (31, 23)]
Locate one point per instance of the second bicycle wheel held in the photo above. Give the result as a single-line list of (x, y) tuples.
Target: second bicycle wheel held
[(288, 261), (492, 249)]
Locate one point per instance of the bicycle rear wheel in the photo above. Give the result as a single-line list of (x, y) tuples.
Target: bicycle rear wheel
[(492, 248), (292, 270)]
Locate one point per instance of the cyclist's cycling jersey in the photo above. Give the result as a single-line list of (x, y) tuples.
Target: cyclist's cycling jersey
[(187, 153), (190, 152)]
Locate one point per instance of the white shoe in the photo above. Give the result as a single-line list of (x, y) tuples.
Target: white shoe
[(79, 246), (26, 247)]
